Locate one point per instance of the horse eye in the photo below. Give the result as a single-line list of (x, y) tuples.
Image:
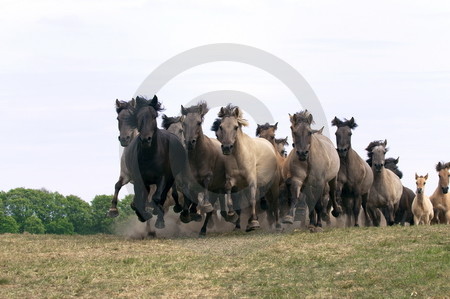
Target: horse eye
[(236, 127), (181, 131), (309, 133), (424, 183), (199, 123), (220, 127)]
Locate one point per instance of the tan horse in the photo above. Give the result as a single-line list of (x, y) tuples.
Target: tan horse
[(355, 176), (311, 167), (386, 189), (422, 208), (250, 164), (280, 146), (441, 197)]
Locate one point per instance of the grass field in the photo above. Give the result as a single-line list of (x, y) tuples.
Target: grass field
[(387, 262)]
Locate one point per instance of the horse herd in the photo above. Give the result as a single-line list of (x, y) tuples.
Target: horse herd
[(235, 172)]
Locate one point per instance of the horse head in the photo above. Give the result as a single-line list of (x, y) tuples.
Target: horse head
[(228, 126), (420, 182), (146, 114), (267, 131), (344, 135), (192, 123), (442, 169), (174, 125), (302, 133), (377, 151), (280, 143), (125, 112)]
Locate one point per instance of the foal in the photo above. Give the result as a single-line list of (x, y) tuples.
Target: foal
[(422, 207)]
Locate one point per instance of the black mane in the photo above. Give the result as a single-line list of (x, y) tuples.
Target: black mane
[(391, 164), (167, 121), (302, 117), (216, 124), (142, 101), (370, 147), (346, 123), (442, 165)]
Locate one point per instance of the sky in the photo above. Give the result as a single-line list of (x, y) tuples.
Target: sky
[(64, 63)]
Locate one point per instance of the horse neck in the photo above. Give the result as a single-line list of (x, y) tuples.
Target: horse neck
[(240, 144), (379, 176), (420, 196)]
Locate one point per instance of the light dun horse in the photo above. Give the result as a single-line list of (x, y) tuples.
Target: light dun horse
[(311, 168), (386, 189), (280, 144), (355, 176), (441, 197), (422, 207), (250, 165)]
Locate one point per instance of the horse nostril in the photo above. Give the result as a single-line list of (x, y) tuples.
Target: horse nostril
[(193, 141), (128, 137), (119, 138)]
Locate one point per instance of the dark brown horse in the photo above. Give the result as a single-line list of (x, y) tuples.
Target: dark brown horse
[(355, 176), (124, 110), (155, 157)]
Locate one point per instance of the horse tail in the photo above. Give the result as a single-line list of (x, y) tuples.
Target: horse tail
[(140, 191)]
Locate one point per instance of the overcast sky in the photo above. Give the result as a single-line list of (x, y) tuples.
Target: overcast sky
[(63, 64)]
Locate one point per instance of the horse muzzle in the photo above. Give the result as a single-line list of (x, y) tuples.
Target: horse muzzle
[(378, 167), (445, 190), (302, 155), (125, 141), (227, 149), (146, 141), (419, 190), (190, 145), (342, 152)]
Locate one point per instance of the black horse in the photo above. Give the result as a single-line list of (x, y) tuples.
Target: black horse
[(154, 157)]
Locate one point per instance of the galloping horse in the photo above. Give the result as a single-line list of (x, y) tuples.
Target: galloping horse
[(404, 212), (386, 189), (280, 143), (127, 132), (205, 158), (355, 176), (311, 168), (250, 164), (155, 157), (441, 197)]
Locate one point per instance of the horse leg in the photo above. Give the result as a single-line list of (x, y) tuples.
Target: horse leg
[(206, 206), (113, 211), (253, 222), (357, 208), (205, 224), (336, 208), (389, 214), (158, 199), (364, 199), (319, 209), (177, 208), (274, 206), (237, 208), (294, 187), (374, 214)]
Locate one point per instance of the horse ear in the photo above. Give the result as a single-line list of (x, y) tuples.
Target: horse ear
[(133, 102), (417, 176), (182, 117), (183, 110), (352, 123), (336, 122), (426, 177), (221, 112), (310, 118), (236, 112), (318, 131), (117, 103), (385, 142), (292, 118), (258, 130), (396, 160), (154, 101), (275, 126)]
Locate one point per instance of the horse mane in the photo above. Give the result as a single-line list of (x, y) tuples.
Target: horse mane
[(346, 123), (442, 165), (201, 108), (371, 146), (167, 121), (265, 126), (216, 124), (122, 105), (142, 101), (233, 111), (391, 164), (282, 140), (302, 117)]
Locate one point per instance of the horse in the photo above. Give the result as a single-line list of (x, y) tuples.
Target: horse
[(155, 157), (355, 176), (422, 208), (205, 157), (441, 197), (404, 212), (250, 166), (311, 168), (127, 133), (386, 189), (280, 144)]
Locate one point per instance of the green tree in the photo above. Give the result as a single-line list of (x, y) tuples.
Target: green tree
[(61, 226), (100, 205), (8, 224), (34, 225), (79, 213)]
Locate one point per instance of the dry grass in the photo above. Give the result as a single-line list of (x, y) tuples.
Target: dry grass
[(396, 262)]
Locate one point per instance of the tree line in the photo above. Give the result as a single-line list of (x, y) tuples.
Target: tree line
[(41, 211)]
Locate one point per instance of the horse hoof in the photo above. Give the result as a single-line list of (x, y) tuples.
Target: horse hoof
[(317, 229), (335, 213), (159, 224), (112, 213), (253, 225), (231, 217), (151, 234), (202, 234), (356, 225), (177, 208), (288, 219), (278, 228), (195, 217), (185, 218), (325, 217), (154, 212), (144, 217), (207, 208)]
